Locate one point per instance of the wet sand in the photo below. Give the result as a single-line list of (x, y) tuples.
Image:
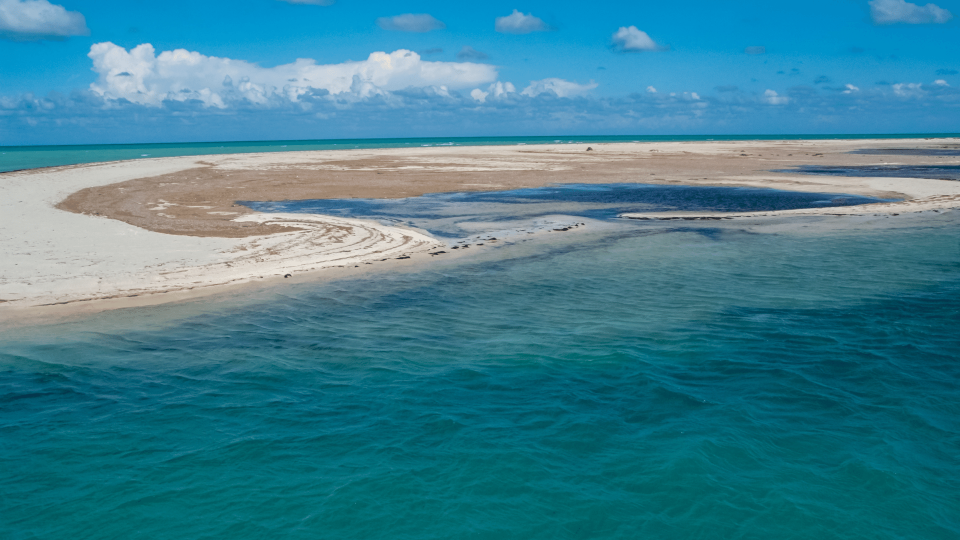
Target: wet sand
[(172, 225)]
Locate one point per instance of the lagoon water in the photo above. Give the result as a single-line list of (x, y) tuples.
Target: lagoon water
[(638, 380), (623, 380)]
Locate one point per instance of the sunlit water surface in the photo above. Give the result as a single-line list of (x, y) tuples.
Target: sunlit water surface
[(638, 381)]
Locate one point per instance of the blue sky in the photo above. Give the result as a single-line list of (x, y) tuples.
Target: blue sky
[(97, 71)]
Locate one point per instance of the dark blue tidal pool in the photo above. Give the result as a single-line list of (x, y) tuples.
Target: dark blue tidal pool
[(934, 172), (435, 211), (944, 151)]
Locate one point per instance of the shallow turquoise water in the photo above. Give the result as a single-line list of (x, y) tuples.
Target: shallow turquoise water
[(28, 157), (644, 381)]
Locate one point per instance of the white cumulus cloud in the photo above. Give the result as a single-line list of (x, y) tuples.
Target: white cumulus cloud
[(496, 89), (901, 11), (772, 98), (501, 88), (850, 89), (631, 39), (39, 19), (142, 76), (559, 87), (411, 22), (518, 23), (651, 90), (908, 90)]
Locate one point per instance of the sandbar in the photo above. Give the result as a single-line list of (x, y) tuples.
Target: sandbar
[(140, 228)]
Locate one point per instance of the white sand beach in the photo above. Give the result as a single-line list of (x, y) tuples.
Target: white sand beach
[(52, 256)]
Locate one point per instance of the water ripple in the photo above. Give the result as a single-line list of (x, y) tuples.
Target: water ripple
[(672, 385)]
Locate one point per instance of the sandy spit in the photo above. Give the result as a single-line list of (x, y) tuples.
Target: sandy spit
[(54, 257)]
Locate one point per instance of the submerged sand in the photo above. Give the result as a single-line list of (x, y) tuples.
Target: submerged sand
[(142, 227)]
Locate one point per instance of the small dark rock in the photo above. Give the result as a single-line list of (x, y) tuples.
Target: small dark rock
[(286, 276), (589, 149)]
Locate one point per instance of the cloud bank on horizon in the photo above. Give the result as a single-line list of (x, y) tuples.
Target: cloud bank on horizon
[(464, 89), (141, 76)]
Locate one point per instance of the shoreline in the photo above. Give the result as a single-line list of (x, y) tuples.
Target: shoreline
[(159, 229)]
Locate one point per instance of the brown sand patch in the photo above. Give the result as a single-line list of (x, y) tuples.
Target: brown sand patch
[(203, 201)]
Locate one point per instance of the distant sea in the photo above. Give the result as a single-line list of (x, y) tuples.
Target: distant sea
[(625, 380), (29, 157)]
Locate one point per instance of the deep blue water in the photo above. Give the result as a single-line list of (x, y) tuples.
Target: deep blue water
[(944, 150), (639, 382), (937, 172), (440, 212), (28, 157)]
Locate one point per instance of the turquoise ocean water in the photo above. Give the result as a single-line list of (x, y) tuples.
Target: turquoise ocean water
[(630, 380), (28, 157)]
